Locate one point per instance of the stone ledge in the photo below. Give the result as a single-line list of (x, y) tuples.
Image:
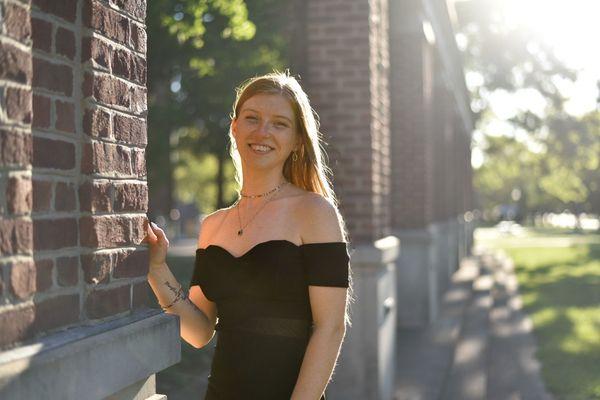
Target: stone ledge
[(92, 362)]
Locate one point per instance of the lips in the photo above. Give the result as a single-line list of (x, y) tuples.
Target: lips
[(260, 148)]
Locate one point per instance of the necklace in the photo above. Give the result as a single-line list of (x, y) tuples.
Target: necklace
[(254, 196), (241, 231)]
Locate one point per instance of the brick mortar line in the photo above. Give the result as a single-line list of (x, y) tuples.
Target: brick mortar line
[(91, 33), (56, 59), (119, 11), (99, 72), (24, 47), (84, 139), (52, 95), (90, 101), (5, 83), (7, 125), (54, 19)]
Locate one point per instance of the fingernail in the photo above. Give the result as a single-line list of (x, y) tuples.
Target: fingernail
[(154, 225)]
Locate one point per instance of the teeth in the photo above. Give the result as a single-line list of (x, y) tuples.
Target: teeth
[(260, 148)]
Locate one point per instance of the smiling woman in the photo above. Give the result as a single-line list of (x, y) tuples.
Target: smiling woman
[(271, 272)]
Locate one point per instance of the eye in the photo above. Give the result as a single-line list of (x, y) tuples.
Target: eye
[(251, 118), (281, 124)]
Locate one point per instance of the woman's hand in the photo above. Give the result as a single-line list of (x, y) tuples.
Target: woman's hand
[(159, 244)]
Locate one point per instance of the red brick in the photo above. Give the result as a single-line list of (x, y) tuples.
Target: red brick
[(139, 103), (64, 197), (96, 123), (143, 296), (130, 130), (135, 8), (18, 105), (103, 303), (96, 267), (54, 77), (17, 326), (54, 234), (16, 22), (65, 42), (108, 90), (139, 162), (15, 148), (41, 34), (15, 65), (19, 195), (106, 21), (22, 279), (131, 197), (65, 9), (67, 271), (97, 50), (138, 230), (131, 264), (96, 196), (16, 236), (104, 231), (43, 275), (138, 38), (65, 116), (49, 153), (42, 195), (41, 111), (105, 158), (56, 312)]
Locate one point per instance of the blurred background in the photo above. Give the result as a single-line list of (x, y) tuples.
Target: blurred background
[(532, 71)]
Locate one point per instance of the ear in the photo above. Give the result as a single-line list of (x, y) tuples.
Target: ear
[(234, 126)]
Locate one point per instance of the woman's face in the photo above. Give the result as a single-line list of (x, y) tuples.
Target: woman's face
[(265, 131)]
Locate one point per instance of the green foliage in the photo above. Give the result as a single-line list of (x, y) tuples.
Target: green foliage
[(199, 51), (555, 163)]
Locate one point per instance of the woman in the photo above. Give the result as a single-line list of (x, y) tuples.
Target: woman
[(275, 264)]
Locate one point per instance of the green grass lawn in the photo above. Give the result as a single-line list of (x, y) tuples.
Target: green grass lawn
[(560, 287)]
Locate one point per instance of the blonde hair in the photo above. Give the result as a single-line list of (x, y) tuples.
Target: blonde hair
[(310, 171)]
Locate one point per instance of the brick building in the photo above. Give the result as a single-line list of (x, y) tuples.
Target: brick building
[(385, 77)]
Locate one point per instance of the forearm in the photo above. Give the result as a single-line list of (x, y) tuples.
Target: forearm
[(195, 326), (319, 361)]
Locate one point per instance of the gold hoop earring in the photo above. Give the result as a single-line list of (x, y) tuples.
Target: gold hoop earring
[(294, 156)]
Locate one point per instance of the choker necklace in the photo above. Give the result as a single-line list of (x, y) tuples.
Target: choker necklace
[(263, 194), (241, 231)]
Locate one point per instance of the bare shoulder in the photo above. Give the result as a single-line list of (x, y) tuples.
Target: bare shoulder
[(320, 219), (209, 224)]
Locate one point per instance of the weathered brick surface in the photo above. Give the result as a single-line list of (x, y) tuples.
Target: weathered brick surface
[(65, 9), (67, 271), (101, 303), (19, 197), (16, 22), (50, 153), (73, 137), (15, 148), (43, 274), (15, 64), (54, 233), (18, 105), (22, 279), (52, 76)]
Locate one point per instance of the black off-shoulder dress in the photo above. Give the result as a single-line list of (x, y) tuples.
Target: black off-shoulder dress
[(264, 315)]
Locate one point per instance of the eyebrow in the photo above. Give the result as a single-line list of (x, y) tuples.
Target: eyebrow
[(276, 116)]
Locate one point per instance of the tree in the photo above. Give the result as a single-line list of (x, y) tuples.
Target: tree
[(200, 51)]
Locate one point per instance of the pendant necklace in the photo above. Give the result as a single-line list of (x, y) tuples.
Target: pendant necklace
[(241, 231)]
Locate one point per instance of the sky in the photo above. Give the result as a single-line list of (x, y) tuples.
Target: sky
[(573, 29)]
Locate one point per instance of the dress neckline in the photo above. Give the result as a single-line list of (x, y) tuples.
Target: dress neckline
[(271, 241)]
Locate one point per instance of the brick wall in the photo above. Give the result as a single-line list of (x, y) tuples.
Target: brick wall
[(347, 65), (73, 132)]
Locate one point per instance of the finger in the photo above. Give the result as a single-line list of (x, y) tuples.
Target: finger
[(151, 235), (160, 233)]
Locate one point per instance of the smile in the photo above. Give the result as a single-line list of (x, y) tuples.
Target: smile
[(260, 149)]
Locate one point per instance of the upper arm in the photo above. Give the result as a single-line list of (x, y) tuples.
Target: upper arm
[(196, 295), (322, 223)]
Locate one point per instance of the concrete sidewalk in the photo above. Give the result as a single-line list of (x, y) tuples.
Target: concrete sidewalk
[(481, 346)]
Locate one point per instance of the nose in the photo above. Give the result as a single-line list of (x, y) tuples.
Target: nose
[(264, 128)]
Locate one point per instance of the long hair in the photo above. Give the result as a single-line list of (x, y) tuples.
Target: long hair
[(310, 171)]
